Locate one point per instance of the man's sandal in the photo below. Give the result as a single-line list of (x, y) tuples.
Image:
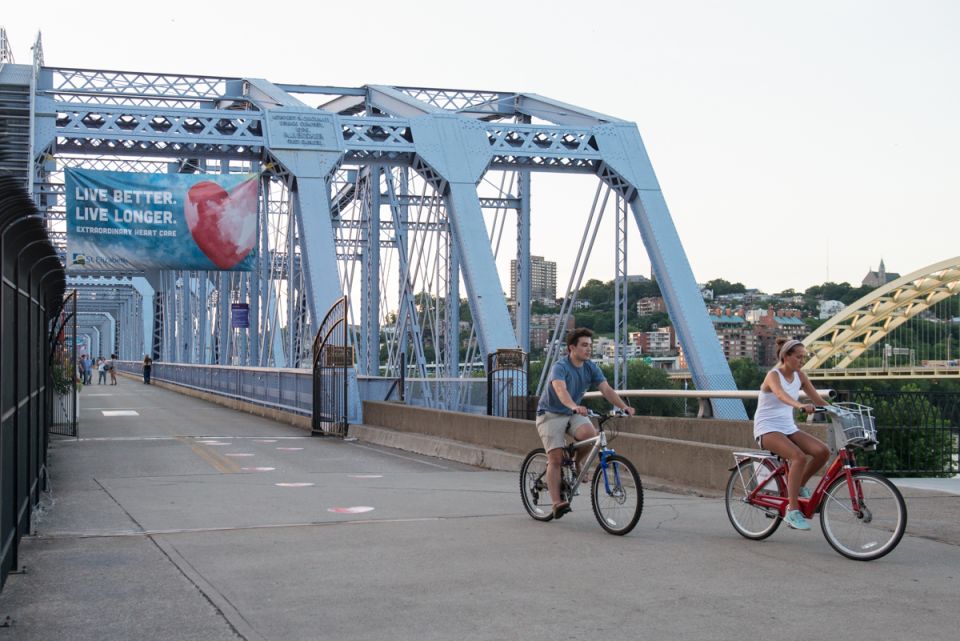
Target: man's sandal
[(560, 509)]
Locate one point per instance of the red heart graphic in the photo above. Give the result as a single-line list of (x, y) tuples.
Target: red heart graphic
[(224, 225)]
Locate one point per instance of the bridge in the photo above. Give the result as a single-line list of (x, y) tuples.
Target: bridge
[(392, 195)]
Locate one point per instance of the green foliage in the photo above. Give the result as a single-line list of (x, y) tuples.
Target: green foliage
[(650, 322), (913, 432), (642, 376), (902, 449), (721, 287), (748, 376), (598, 294), (829, 291), (599, 320), (63, 381)]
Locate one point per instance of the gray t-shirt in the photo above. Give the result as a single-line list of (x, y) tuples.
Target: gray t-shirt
[(578, 380)]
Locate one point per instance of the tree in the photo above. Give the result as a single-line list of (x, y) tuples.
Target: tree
[(597, 293), (748, 376), (721, 287)]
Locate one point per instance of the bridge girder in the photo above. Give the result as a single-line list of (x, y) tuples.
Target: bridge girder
[(865, 322), (451, 137)]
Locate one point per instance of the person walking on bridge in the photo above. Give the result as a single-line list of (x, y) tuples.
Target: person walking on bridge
[(147, 367), (775, 430), (111, 367), (560, 413)]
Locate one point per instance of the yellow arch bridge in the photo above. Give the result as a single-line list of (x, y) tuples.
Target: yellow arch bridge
[(860, 329)]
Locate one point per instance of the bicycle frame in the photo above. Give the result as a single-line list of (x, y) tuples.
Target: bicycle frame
[(843, 464), (598, 448)]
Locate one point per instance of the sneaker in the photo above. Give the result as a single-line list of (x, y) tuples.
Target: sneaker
[(796, 521), (805, 493)]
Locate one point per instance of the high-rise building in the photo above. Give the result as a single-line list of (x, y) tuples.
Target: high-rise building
[(543, 280)]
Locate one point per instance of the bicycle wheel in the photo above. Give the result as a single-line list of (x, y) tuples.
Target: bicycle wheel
[(875, 528), (751, 521), (533, 486), (617, 496)]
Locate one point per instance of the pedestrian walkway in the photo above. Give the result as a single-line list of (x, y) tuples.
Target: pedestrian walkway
[(948, 485), (177, 520)]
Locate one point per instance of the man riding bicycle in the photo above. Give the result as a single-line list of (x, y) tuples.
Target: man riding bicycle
[(559, 411)]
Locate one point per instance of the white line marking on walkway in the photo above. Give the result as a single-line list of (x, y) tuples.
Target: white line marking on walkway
[(120, 413)]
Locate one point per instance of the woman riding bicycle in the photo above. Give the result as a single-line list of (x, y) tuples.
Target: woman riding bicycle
[(559, 411), (775, 430)]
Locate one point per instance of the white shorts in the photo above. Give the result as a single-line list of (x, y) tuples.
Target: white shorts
[(553, 428)]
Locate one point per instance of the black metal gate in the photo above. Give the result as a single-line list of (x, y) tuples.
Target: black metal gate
[(64, 400), (507, 385), (332, 359)]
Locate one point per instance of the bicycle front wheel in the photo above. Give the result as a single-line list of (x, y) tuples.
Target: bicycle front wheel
[(617, 495), (864, 522), (533, 486), (751, 521)]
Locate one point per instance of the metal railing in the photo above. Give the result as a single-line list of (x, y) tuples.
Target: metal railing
[(32, 284), (703, 397), (919, 432)]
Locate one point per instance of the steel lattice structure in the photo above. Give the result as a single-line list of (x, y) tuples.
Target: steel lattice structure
[(385, 193), (864, 323)]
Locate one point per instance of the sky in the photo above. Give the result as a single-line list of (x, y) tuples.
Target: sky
[(795, 143)]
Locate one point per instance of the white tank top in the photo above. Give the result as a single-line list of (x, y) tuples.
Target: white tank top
[(773, 415)]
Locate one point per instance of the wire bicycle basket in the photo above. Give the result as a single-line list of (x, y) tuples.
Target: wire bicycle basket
[(852, 425)]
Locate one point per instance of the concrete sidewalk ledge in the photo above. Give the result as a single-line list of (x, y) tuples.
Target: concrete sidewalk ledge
[(447, 449), (501, 443)]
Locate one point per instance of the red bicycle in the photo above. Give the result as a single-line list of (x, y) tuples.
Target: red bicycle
[(862, 514)]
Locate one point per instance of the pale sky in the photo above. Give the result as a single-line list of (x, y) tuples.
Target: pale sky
[(793, 141)]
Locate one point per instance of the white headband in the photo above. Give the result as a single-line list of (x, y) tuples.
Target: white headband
[(790, 344)]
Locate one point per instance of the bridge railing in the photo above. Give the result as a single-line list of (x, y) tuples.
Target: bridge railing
[(918, 431)]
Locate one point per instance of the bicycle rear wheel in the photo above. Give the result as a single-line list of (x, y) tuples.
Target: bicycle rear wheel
[(533, 486), (874, 528), (751, 521), (617, 496)]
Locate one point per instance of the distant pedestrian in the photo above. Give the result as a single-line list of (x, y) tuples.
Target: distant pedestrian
[(101, 370), (112, 368), (87, 363), (147, 366)]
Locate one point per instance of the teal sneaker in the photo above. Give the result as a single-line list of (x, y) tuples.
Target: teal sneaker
[(805, 493), (796, 521)]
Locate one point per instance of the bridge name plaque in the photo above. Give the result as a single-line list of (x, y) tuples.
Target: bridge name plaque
[(306, 129)]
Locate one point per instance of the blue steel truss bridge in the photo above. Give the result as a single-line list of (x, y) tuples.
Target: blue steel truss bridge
[(397, 196)]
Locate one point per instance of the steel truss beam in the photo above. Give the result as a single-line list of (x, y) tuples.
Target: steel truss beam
[(450, 139)]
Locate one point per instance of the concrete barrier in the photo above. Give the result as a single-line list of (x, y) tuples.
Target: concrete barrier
[(673, 451)]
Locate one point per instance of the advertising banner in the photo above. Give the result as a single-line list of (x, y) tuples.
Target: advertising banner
[(129, 221)]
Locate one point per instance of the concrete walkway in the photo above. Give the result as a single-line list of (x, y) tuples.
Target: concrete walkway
[(174, 519)]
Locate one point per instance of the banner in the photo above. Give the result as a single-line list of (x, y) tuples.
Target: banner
[(239, 315), (130, 221)]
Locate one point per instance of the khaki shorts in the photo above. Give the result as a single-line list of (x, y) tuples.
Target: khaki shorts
[(553, 428)]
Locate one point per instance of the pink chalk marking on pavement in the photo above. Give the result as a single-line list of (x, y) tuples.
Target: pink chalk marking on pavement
[(359, 509), (257, 469), (366, 476), (289, 449), (214, 442), (293, 484)]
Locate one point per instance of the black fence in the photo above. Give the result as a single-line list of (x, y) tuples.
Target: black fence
[(332, 360), (31, 296), (918, 431), (507, 375), (64, 371)]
